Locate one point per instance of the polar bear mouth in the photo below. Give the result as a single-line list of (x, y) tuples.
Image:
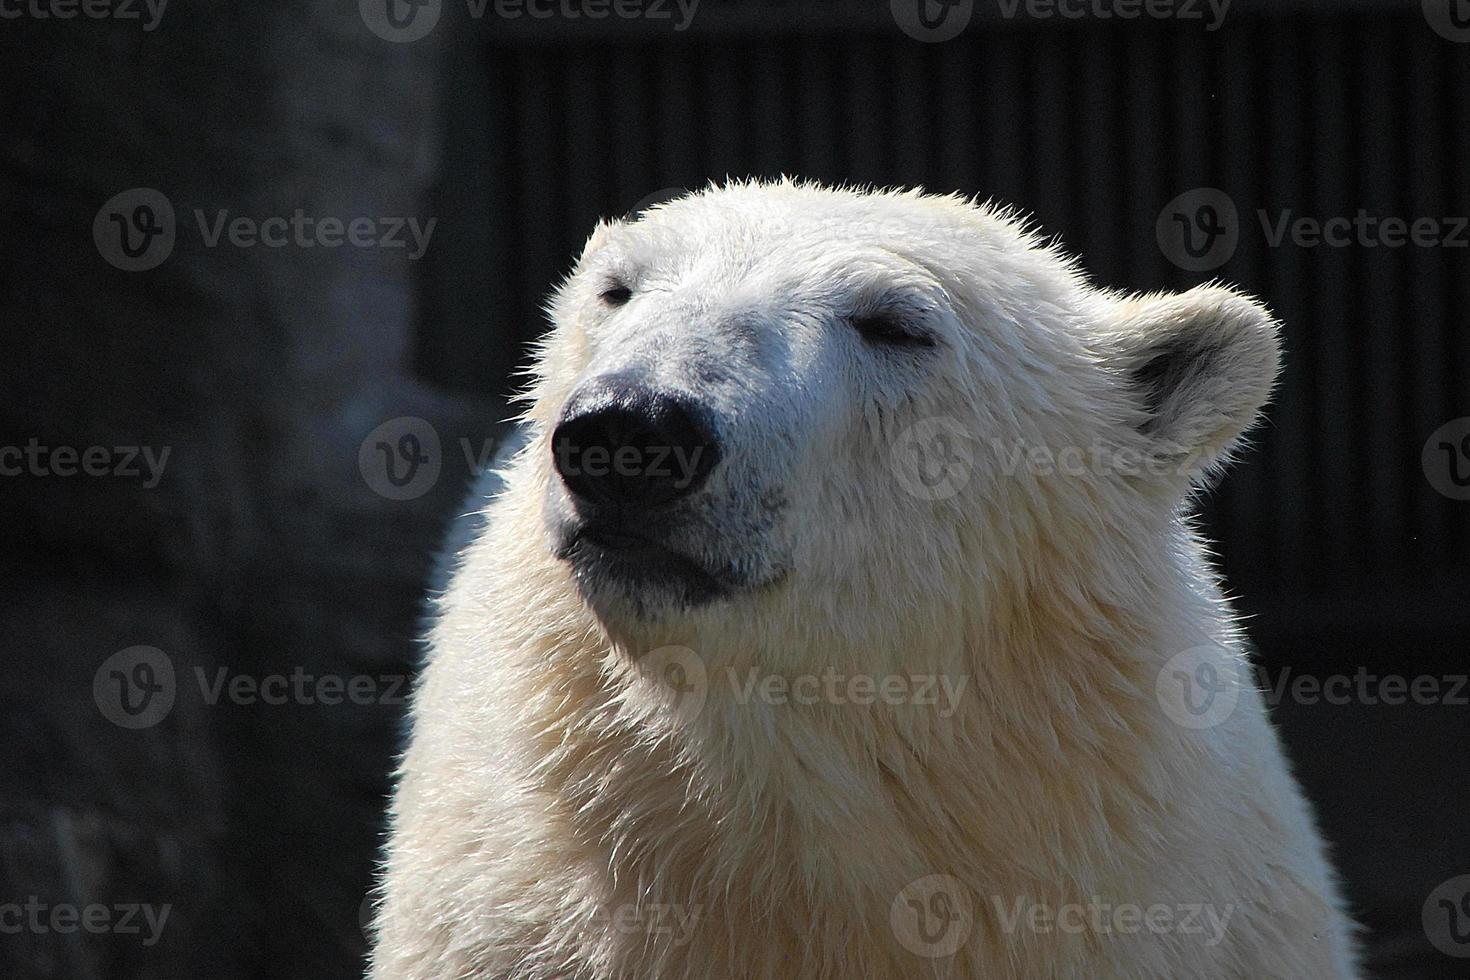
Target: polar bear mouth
[(606, 556)]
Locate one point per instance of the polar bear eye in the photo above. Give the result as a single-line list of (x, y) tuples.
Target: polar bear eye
[(890, 330), (616, 295)]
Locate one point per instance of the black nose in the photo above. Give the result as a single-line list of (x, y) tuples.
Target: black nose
[(624, 444)]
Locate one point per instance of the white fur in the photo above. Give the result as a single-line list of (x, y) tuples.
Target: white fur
[(562, 814)]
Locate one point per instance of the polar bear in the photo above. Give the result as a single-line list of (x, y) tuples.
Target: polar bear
[(842, 617)]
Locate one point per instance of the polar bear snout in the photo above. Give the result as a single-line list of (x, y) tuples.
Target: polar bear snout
[(632, 506), (624, 445)]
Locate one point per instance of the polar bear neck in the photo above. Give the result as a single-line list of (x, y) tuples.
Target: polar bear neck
[(1054, 742)]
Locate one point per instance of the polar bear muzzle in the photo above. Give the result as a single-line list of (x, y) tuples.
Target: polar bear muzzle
[(630, 459), (624, 447)]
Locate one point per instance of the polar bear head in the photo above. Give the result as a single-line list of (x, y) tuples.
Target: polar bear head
[(778, 408)]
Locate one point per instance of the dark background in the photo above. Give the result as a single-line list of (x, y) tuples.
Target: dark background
[(266, 549)]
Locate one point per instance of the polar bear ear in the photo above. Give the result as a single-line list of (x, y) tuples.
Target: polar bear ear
[(1200, 366), (599, 237)]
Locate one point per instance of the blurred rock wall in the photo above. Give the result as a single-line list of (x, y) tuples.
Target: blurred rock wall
[(258, 559)]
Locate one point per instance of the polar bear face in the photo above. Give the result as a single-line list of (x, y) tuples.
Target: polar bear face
[(770, 397)]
